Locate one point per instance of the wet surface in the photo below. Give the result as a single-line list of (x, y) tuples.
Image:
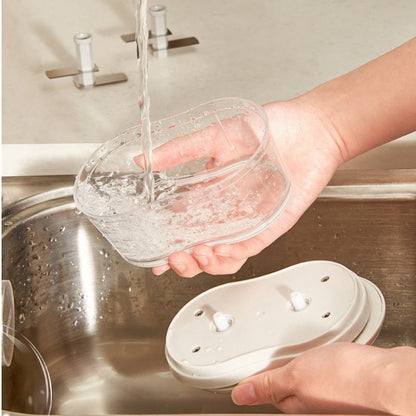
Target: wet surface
[(100, 322)]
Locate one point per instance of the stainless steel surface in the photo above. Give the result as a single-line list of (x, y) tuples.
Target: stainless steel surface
[(179, 43), (105, 79), (65, 72), (131, 37), (100, 323)]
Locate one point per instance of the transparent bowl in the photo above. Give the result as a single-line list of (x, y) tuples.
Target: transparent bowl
[(8, 318), (26, 382), (218, 178)]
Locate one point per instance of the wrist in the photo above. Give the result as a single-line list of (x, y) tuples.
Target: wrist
[(396, 373), (317, 105), (371, 105)]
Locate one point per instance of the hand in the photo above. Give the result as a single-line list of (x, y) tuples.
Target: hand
[(312, 151), (337, 378)]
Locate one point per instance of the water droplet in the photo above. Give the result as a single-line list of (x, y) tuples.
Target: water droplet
[(62, 229), (22, 318), (75, 323)]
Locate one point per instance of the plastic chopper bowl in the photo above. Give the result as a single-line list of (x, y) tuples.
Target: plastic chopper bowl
[(218, 178)]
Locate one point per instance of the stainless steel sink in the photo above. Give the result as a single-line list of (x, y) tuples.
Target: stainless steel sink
[(100, 323)]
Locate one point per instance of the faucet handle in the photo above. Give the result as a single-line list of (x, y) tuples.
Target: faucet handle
[(159, 32), (84, 72)]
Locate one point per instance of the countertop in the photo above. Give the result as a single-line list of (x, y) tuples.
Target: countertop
[(264, 50)]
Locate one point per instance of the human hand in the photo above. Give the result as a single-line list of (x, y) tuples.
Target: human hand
[(337, 378), (312, 151)]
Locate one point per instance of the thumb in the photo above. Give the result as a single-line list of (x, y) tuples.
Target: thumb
[(267, 387)]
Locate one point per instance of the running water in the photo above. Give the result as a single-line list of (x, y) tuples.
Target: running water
[(142, 37), (147, 216)]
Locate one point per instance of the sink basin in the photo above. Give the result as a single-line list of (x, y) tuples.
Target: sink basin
[(100, 323)]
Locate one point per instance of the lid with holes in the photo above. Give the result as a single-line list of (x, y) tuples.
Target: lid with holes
[(238, 329)]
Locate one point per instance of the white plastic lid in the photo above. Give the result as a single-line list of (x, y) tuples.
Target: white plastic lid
[(238, 329)]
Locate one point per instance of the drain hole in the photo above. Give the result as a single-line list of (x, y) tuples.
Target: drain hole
[(196, 349), (326, 314), (325, 279), (198, 313)]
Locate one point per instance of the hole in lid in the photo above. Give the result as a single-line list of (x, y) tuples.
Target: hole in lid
[(326, 314), (198, 313), (196, 349), (324, 279)]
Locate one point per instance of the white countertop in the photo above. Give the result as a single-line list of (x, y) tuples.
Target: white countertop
[(262, 50)]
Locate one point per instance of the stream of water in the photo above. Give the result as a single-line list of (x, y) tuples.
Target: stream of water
[(142, 37)]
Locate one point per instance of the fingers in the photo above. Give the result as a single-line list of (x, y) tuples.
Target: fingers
[(210, 262), (221, 259), (183, 149), (184, 264), (203, 259), (159, 270), (225, 258), (269, 387), (241, 250)]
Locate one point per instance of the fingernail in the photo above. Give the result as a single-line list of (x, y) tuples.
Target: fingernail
[(244, 394), (202, 260)]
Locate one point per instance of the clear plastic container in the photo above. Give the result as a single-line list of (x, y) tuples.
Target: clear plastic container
[(8, 318), (218, 178), (26, 382)]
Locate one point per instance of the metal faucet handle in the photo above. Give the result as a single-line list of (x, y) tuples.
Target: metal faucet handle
[(84, 72), (159, 32)]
